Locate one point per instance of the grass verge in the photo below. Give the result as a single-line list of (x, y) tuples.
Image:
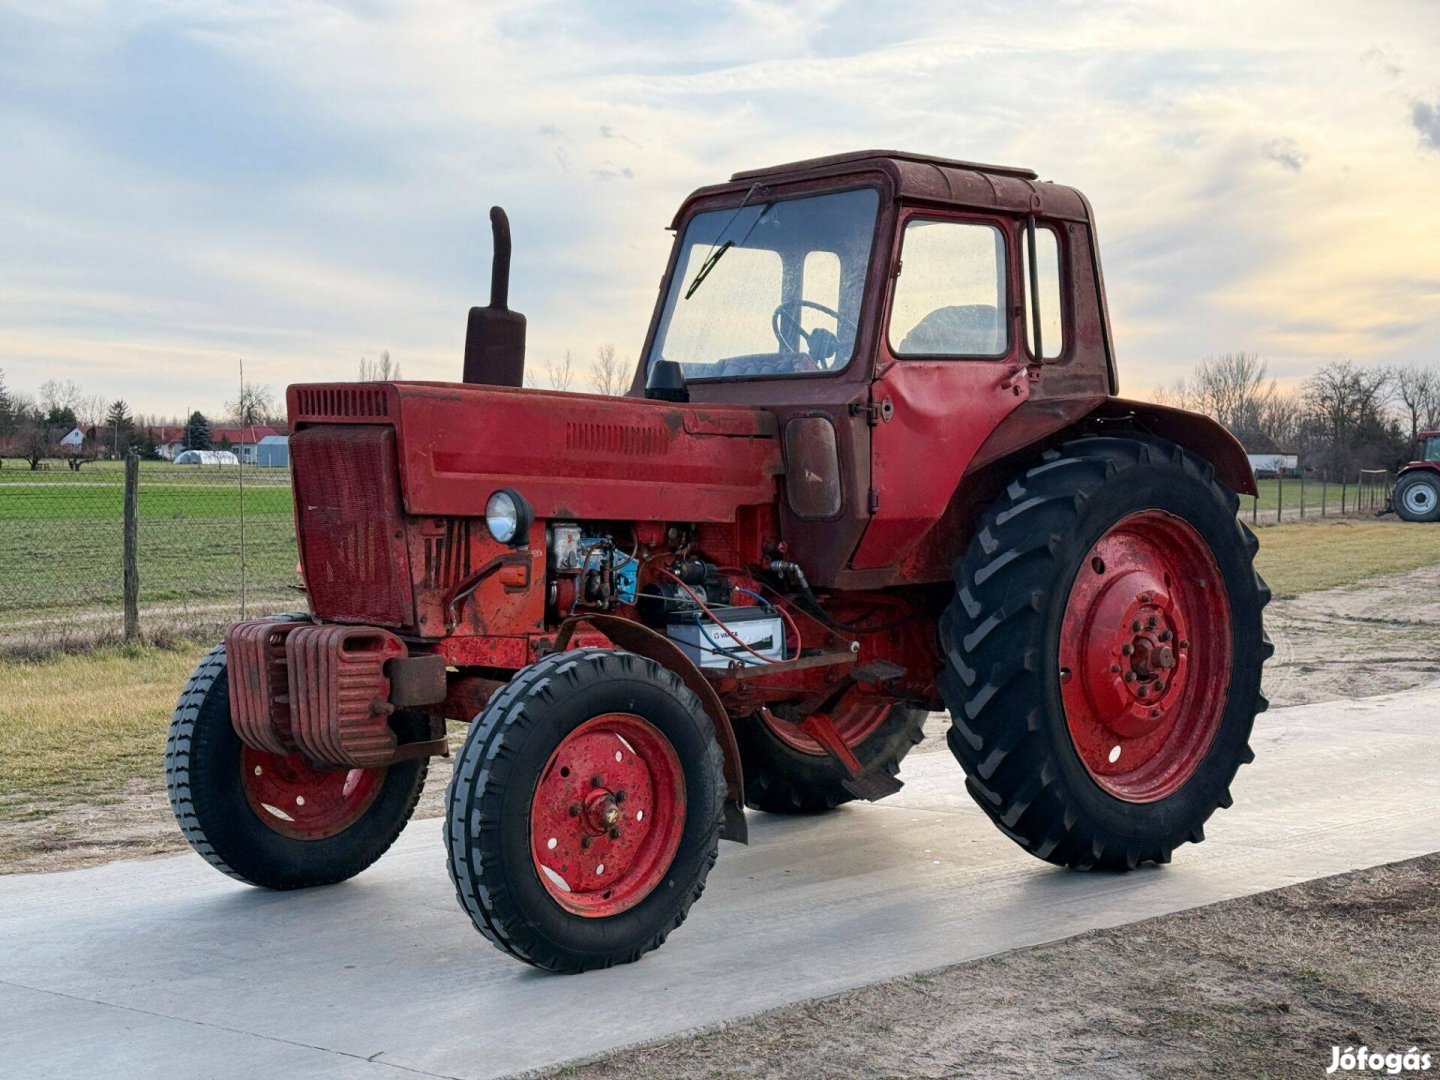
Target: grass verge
[(1313, 555), (76, 729)]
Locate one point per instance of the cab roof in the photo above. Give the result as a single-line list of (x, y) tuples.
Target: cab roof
[(911, 178)]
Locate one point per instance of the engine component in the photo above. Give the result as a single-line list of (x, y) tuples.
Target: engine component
[(747, 631)]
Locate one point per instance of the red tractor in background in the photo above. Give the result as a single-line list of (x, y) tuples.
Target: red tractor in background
[(872, 465), (1416, 494)]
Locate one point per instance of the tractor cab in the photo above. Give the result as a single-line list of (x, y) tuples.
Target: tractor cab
[(891, 311), (1427, 446)]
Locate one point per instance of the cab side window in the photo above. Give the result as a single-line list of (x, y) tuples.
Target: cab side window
[(950, 299), (1047, 261)]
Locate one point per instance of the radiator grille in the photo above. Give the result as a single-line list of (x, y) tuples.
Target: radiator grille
[(615, 438), (361, 402), (352, 540), (447, 557)]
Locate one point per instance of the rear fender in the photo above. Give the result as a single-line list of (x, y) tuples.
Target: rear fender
[(642, 641), (1050, 420)]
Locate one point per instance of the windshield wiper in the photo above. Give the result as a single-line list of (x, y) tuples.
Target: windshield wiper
[(715, 256)]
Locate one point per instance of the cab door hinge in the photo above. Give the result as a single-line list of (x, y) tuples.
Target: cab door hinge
[(874, 501), (869, 409)]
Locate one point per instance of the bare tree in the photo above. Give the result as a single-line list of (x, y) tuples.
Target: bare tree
[(1418, 390), (254, 405), (607, 373), (1348, 424), (560, 373), (57, 396), (1234, 390), (380, 370)]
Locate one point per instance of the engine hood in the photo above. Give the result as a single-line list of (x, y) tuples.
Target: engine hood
[(573, 456)]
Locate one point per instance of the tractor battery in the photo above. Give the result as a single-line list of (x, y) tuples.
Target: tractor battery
[(708, 645)]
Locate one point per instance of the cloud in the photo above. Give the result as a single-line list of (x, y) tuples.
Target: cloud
[(304, 184), (1426, 118), (1286, 153)]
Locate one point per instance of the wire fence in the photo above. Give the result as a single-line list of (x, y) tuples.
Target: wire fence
[(211, 544), (1301, 497)]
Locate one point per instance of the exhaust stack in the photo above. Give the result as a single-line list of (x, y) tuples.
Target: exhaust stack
[(495, 335)]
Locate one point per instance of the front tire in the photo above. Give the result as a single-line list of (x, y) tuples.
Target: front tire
[(272, 821), (1417, 496), (1104, 653), (585, 810)]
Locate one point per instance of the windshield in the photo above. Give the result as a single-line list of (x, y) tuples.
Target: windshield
[(1431, 448), (772, 288)]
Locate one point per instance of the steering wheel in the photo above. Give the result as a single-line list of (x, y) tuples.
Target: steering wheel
[(822, 345)]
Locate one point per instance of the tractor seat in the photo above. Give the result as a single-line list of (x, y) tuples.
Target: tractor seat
[(960, 330)]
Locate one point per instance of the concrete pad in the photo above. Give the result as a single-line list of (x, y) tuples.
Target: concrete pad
[(139, 968)]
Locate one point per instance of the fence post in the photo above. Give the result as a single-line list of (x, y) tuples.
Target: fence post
[(1343, 484), (1279, 495), (130, 547), (1324, 491), (1302, 494)]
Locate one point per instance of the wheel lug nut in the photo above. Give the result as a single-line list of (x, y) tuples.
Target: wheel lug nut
[(1154, 713), (620, 795), (1135, 626), (597, 780), (1165, 635), (615, 834), (575, 809), (1152, 622), (1126, 650), (1129, 676), (1184, 644), (586, 841), (1114, 669), (1143, 691), (1144, 598)]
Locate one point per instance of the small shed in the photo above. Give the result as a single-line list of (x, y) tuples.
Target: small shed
[(206, 457), (273, 452)]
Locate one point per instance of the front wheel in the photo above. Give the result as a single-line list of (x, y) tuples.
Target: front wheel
[(1104, 653), (270, 820), (1417, 496), (585, 810)]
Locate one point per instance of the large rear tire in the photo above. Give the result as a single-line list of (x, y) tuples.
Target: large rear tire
[(585, 810), (786, 772), (272, 821), (1417, 496), (1104, 653)]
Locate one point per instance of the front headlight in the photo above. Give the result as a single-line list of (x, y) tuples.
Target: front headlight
[(508, 517)]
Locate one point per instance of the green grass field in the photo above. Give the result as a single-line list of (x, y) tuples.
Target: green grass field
[(1318, 497), (60, 538)]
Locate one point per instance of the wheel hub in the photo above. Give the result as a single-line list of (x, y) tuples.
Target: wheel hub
[(1141, 698), (304, 801), (607, 815)]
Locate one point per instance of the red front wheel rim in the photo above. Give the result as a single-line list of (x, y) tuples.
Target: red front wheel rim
[(302, 801), (1145, 656), (607, 815)]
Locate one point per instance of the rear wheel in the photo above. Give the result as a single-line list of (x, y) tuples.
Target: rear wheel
[(788, 772), (1104, 653), (1417, 496), (280, 822), (585, 810)]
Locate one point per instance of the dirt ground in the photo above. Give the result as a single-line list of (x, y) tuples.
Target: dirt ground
[(1258, 987), (1373, 637)]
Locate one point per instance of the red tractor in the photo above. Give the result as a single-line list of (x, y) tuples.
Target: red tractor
[(1416, 495), (872, 465)]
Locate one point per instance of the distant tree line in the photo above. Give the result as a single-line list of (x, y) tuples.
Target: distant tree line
[(1344, 417)]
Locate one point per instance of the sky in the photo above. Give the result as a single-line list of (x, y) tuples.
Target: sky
[(300, 184)]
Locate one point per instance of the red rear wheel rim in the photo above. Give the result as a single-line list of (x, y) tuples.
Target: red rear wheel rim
[(302, 801), (1145, 656), (855, 724), (607, 815)]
